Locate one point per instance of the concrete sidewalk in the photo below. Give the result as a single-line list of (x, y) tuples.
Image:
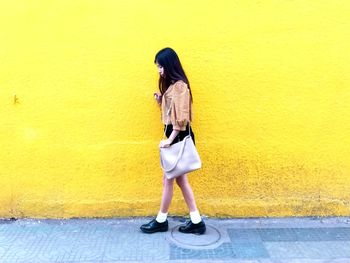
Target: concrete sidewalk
[(227, 240)]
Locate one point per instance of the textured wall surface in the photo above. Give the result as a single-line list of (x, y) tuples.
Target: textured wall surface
[(80, 128)]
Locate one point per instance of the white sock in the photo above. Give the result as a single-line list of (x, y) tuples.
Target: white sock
[(161, 217), (195, 217)]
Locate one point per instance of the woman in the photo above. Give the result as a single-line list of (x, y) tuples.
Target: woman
[(175, 97)]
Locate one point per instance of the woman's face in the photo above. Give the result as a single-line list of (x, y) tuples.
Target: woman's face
[(160, 69)]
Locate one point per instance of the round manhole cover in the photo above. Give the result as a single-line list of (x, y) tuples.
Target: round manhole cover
[(210, 239)]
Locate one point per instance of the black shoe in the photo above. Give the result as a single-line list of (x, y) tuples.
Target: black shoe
[(153, 227), (191, 228)]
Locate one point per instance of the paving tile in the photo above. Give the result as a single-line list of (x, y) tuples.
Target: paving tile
[(24, 243), (224, 251), (129, 243), (305, 234), (308, 250), (244, 235), (323, 234), (80, 249), (334, 249), (283, 250), (116, 240), (3, 249), (250, 250), (277, 234)]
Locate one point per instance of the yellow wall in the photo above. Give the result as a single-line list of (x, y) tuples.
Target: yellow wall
[(271, 92)]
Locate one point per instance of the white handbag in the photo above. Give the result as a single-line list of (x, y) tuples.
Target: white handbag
[(180, 158)]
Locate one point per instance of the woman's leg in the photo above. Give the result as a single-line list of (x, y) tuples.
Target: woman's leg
[(160, 223), (196, 225), (168, 190), (182, 182)]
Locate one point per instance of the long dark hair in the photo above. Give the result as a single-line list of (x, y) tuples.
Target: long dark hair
[(173, 71)]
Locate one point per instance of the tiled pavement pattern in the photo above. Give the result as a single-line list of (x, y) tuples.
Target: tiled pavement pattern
[(236, 240)]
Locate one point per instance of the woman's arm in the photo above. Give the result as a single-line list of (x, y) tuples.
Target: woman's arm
[(180, 107), (167, 142)]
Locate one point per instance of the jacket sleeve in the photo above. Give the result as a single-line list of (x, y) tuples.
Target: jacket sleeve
[(180, 108)]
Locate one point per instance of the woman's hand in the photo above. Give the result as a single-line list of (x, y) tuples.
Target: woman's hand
[(158, 97), (165, 143)]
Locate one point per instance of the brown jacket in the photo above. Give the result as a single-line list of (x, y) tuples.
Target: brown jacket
[(177, 103)]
